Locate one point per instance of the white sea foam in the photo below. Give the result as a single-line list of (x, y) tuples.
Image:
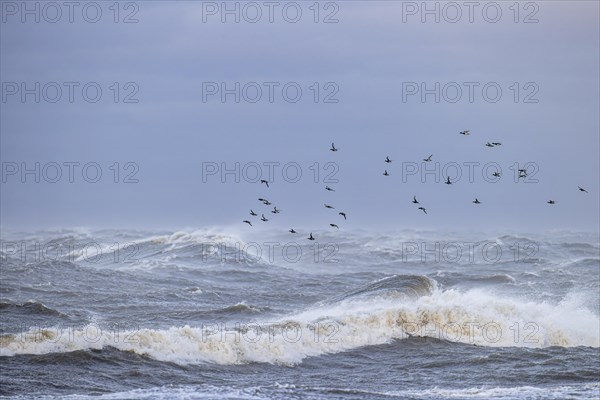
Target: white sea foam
[(472, 317)]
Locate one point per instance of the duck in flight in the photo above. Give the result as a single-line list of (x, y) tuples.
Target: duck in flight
[(423, 209), (476, 201), (466, 133), (428, 158), (263, 218), (265, 182), (311, 237), (333, 148), (551, 202), (329, 189), (496, 174), (385, 173), (252, 213), (343, 214), (292, 231), (328, 206), (415, 200), (262, 200), (448, 181), (275, 210), (522, 173), (582, 189), (497, 144), (387, 160), (488, 144), (267, 203), (248, 222), (334, 226)]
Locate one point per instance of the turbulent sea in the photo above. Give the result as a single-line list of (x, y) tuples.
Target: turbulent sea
[(226, 314)]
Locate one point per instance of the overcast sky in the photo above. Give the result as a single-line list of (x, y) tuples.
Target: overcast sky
[(369, 67)]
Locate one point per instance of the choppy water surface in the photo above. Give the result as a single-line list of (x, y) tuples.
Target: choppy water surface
[(215, 314)]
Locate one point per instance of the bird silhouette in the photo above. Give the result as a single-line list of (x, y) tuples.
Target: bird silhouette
[(265, 182), (252, 213), (311, 237), (275, 210), (466, 133), (333, 148), (386, 173), (476, 201), (248, 222), (329, 189), (343, 214), (328, 206), (551, 202), (263, 218), (448, 181), (423, 209), (582, 189), (387, 160), (415, 200), (334, 226), (428, 158), (292, 231)]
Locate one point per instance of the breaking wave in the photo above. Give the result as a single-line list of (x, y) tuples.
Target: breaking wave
[(393, 308)]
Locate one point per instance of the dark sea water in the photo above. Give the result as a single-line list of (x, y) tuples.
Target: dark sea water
[(221, 314)]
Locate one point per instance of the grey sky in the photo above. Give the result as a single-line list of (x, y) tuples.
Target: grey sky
[(367, 55)]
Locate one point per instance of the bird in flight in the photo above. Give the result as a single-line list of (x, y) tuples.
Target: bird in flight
[(423, 209), (343, 214), (311, 237), (488, 144), (263, 218), (415, 200), (582, 189), (476, 201), (252, 213), (275, 210), (551, 202), (265, 182), (496, 174), (330, 189), (497, 144), (428, 158), (267, 203), (466, 133), (292, 231), (248, 222), (448, 181), (334, 226), (262, 200), (328, 206), (387, 160), (333, 148), (385, 173)]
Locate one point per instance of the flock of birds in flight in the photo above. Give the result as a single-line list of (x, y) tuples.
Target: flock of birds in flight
[(277, 211), (522, 173)]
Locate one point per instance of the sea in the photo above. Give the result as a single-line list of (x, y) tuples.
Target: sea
[(221, 313)]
